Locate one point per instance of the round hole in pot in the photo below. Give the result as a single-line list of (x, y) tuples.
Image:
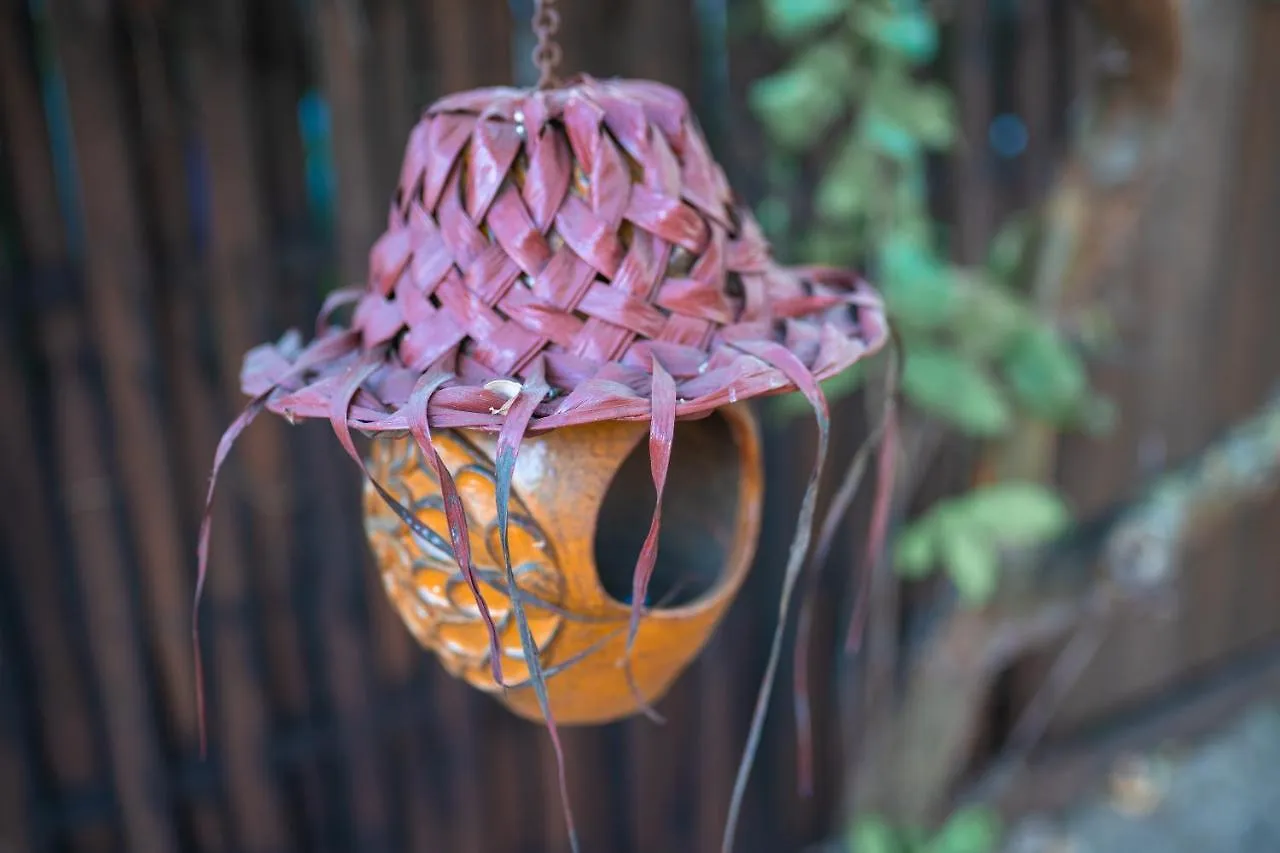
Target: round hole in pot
[(699, 516)]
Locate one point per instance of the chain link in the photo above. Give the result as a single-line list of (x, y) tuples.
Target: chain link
[(547, 53)]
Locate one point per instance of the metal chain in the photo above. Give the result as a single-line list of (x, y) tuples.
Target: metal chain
[(547, 54)]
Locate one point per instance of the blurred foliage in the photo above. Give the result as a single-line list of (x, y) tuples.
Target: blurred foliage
[(972, 830), (854, 107), (966, 534)]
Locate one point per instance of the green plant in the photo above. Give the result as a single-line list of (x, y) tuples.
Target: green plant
[(853, 106), (972, 830), (965, 534)]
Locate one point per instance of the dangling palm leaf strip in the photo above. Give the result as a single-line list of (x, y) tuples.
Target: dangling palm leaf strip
[(883, 437), (795, 370), (509, 438), (455, 515), (323, 349), (662, 427)]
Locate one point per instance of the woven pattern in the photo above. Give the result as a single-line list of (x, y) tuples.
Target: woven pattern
[(579, 233)]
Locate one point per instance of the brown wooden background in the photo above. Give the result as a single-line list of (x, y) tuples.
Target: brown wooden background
[(162, 209)]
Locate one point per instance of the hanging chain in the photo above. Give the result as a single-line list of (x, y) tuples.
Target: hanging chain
[(546, 56)]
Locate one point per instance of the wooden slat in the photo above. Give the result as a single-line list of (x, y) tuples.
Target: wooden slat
[(655, 39), (974, 204), (471, 42), (341, 44), (17, 799), (245, 116), (240, 729), (89, 498), (386, 92), (275, 70), (117, 299), (662, 792), (1171, 318), (751, 55), (359, 810), (458, 733), (662, 44), (425, 818), (594, 770), (238, 701), (392, 97), (1250, 267), (62, 692), (26, 141), (240, 289), (1082, 61), (157, 134), (592, 36), (1034, 100)]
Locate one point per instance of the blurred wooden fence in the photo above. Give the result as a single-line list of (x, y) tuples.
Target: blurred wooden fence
[(180, 180)]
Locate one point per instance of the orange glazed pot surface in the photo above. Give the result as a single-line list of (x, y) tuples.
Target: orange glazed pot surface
[(581, 503)]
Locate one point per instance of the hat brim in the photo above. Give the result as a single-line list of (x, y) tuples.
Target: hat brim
[(300, 382)]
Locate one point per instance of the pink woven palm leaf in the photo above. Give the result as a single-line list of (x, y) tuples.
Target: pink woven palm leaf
[(586, 230)]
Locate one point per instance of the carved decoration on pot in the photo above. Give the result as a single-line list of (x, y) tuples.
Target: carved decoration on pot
[(577, 519), (553, 353)]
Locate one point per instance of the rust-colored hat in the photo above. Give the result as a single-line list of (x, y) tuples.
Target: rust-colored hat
[(581, 235)]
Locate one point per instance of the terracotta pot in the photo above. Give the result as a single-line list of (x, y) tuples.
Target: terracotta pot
[(581, 503)]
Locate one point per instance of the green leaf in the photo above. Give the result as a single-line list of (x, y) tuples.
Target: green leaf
[(1045, 374), (916, 284), (1007, 248), (843, 191), (988, 316), (915, 552), (799, 103), (971, 561), (972, 830), (926, 111), (911, 34), (911, 196), (959, 391), (1015, 513), (888, 136), (831, 246), (872, 835), (791, 19), (913, 839), (935, 116)]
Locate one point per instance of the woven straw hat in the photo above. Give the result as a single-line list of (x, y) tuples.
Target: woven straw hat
[(582, 238)]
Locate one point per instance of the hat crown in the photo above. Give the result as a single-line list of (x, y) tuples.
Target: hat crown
[(576, 220)]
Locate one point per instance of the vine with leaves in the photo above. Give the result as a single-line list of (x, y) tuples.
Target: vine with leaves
[(855, 105)]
